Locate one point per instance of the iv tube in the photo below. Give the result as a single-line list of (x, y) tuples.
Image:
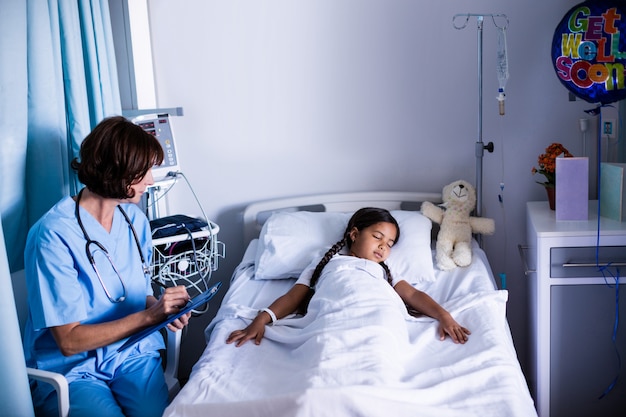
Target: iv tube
[(502, 68)]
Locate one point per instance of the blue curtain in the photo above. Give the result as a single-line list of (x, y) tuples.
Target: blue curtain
[(58, 79)]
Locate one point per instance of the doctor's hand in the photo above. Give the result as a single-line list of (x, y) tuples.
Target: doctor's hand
[(170, 302), (180, 322)]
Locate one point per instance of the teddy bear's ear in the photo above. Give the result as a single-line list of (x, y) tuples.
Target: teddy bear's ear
[(446, 192)]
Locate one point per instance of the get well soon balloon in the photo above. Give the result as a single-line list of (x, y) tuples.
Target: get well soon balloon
[(589, 51)]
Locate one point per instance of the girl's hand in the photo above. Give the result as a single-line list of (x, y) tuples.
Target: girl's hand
[(255, 331), (449, 326), (283, 305)]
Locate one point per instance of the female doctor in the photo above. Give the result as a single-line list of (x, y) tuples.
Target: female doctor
[(86, 266)]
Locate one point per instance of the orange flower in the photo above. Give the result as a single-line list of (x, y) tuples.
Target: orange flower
[(547, 163)]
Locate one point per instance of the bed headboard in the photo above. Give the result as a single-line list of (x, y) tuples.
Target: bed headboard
[(256, 214)]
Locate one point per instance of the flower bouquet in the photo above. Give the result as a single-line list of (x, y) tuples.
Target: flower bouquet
[(547, 167), (547, 163)]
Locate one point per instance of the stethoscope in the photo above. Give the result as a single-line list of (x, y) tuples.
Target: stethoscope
[(100, 246)]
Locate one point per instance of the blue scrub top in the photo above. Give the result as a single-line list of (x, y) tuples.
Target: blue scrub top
[(63, 287)]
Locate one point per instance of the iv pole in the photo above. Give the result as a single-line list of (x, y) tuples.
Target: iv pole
[(480, 147)]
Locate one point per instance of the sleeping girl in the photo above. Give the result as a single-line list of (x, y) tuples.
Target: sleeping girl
[(352, 279)]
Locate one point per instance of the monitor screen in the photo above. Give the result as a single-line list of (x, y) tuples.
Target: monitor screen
[(160, 127)]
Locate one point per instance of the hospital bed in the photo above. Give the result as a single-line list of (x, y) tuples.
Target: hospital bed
[(334, 371)]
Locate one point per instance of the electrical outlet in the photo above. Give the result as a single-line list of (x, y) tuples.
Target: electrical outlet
[(609, 128)]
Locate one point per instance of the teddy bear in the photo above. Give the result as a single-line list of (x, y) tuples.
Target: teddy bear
[(454, 246)]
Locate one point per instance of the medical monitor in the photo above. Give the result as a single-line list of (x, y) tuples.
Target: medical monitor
[(160, 127)]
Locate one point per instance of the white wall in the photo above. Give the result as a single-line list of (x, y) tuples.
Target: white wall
[(287, 97)]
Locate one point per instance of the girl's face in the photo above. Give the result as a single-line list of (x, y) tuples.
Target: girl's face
[(373, 242)]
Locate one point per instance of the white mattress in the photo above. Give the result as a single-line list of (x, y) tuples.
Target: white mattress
[(279, 377)]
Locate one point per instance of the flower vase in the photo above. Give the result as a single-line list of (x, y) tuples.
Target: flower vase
[(551, 197)]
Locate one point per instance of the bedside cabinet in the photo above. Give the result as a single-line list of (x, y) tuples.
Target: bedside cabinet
[(572, 311)]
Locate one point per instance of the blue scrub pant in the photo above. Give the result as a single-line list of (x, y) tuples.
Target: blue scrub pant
[(138, 389)]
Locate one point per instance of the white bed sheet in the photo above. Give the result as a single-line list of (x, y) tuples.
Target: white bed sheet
[(440, 378)]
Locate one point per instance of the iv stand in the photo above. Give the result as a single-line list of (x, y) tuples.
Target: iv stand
[(480, 147)]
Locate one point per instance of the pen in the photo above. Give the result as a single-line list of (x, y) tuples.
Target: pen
[(160, 284)]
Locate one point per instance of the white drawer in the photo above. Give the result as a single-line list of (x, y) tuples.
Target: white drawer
[(583, 261)]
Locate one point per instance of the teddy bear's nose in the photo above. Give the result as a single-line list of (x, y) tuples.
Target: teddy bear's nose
[(461, 186)]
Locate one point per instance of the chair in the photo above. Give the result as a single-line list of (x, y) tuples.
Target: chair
[(172, 357), (58, 381)]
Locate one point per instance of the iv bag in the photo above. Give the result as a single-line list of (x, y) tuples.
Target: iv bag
[(502, 68), (502, 64)]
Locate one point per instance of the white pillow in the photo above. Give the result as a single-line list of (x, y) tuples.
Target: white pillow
[(289, 241)]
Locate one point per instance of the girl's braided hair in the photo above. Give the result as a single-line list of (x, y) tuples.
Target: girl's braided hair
[(361, 219)]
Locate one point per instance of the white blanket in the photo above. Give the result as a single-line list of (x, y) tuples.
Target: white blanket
[(357, 353)]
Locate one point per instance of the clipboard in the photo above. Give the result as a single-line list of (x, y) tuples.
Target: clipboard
[(194, 303)]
